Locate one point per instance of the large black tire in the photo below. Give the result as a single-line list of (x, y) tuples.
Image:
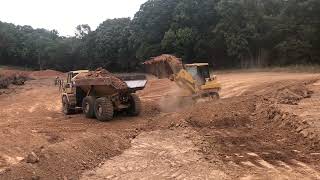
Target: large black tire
[(103, 109), (135, 105), (66, 108), (88, 106)]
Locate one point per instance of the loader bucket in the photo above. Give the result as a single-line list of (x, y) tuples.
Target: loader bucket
[(163, 66)]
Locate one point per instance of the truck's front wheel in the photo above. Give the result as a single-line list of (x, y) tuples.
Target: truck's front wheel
[(88, 106), (103, 109), (66, 108), (135, 105)]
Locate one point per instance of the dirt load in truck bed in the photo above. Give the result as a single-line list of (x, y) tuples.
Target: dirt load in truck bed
[(100, 77)]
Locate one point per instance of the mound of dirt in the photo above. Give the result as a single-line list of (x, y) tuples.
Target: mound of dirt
[(68, 160), (292, 95), (46, 73), (265, 108), (242, 129), (100, 77), (150, 109), (100, 72), (232, 112)]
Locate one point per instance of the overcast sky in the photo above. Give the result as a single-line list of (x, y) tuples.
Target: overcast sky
[(65, 15)]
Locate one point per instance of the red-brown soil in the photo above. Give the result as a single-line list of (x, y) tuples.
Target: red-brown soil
[(256, 131)]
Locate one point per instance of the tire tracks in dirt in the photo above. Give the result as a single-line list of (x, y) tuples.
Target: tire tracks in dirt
[(232, 144), (162, 154)]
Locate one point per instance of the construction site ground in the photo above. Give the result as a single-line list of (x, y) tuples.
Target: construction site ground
[(265, 126)]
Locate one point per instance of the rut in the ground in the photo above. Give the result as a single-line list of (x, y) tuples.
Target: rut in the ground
[(240, 137), (166, 154)]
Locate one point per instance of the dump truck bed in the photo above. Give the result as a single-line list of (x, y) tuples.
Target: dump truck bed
[(105, 83)]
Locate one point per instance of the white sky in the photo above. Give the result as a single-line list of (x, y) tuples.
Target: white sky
[(65, 15)]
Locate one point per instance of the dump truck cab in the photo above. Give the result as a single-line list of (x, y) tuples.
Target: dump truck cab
[(69, 84), (72, 74)]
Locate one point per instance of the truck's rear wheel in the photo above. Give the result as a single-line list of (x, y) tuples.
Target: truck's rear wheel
[(103, 109), (135, 105), (88, 106), (66, 108)]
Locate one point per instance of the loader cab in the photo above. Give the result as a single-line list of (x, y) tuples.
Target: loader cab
[(199, 71), (71, 75)]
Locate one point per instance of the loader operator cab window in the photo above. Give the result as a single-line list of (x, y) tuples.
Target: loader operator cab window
[(199, 73), (204, 72), (192, 70)]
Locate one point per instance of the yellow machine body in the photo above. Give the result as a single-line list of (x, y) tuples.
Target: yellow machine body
[(195, 79)]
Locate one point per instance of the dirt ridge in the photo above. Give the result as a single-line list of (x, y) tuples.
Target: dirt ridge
[(247, 135)]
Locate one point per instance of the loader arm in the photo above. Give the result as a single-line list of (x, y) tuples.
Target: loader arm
[(185, 81)]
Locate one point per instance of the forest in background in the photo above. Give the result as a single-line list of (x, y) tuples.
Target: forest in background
[(225, 33)]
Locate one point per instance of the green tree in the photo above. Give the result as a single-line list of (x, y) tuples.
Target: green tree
[(112, 44), (225, 33), (149, 26)]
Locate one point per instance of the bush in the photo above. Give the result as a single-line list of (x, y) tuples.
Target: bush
[(16, 79), (4, 82)]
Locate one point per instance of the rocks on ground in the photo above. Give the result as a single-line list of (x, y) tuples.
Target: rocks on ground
[(32, 158)]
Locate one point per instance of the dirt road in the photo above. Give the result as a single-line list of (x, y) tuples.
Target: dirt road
[(265, 127)]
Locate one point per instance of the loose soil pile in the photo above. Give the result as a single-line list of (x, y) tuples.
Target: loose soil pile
[(245, 137), (100, 77), (246, 128), (38, 141), (68, 159), (292, 95), (231, 112)]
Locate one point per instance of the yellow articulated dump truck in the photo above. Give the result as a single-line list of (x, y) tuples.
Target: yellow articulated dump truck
[(99, 94)]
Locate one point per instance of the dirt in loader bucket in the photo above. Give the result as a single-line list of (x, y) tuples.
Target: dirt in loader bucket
[(100, 77), (163, 66)]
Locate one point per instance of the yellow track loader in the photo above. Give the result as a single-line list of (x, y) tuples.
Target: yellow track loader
[(194, 79)]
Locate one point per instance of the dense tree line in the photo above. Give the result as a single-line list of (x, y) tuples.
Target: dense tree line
[(226, 33)]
